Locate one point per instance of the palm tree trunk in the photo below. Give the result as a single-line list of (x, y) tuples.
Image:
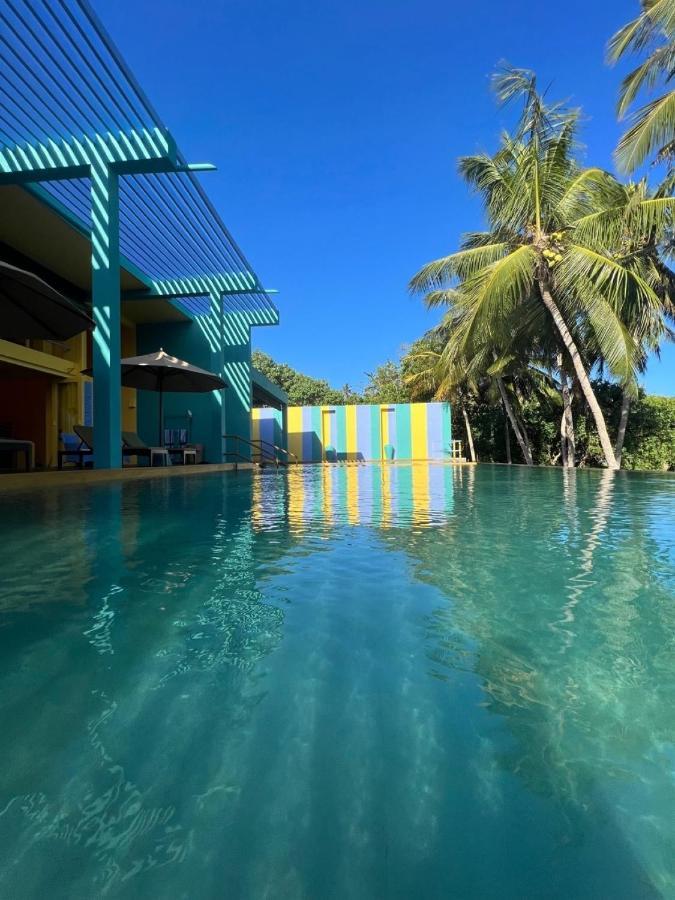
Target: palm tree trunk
[(507, 439), (623, 422), (567, 423), (522, 441), (563, 441), (569, 427), (469, 436), (584, 380), (523, 431)]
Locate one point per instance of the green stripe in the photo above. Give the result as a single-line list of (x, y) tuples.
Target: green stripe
[(403, 431), (447, 427), (376, 432), (341, 429)]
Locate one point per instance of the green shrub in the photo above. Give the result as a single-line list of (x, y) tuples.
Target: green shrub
[(650, 436)]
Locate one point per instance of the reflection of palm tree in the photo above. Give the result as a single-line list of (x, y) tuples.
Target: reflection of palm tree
[(583, 579), (586, 702)]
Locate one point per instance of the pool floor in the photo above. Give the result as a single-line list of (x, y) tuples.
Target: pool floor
[(340, 682)]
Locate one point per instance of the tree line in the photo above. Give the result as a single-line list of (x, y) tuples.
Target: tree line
[(570, 281), (550, 313)]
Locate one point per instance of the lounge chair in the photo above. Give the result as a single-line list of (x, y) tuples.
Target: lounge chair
[(132, 445), (14, 447), (85, 434)]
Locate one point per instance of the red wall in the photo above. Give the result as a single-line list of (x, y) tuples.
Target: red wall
[(23, 403)]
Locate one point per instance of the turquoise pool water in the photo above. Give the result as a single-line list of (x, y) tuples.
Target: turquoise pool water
[(410, 682)]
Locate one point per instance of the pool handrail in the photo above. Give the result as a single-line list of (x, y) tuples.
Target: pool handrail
[(264, 455)]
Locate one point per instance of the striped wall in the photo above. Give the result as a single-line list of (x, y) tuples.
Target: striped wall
[(360, 433), (266, 425)]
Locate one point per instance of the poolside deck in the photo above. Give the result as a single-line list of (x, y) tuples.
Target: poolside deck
[(75, 477)]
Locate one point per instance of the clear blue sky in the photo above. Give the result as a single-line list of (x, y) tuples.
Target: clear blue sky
[(336, 127)]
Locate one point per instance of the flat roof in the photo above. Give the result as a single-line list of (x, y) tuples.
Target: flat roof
[(266, 392), (63, 77)]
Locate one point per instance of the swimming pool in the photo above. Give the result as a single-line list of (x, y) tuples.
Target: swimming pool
[(347, 682)]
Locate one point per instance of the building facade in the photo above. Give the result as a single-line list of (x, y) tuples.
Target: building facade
[(360, 433), (98, 201)]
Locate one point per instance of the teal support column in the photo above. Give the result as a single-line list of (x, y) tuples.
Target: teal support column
[(237, 374), (105, 292), (216, 327), (284, 428)]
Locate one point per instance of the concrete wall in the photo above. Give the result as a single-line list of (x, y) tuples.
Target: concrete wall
[(361, 432)]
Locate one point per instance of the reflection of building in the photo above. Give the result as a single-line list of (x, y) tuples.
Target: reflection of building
[(96, 199), (398, 431), (381, 496)]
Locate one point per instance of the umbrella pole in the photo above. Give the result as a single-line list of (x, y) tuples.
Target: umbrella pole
[(161, 414)]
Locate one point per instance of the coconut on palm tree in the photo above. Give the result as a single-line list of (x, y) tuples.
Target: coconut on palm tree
[(550, 243)]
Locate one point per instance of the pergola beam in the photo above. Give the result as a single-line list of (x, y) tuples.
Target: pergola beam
[(133, 152), (102, 158), (213, 285)]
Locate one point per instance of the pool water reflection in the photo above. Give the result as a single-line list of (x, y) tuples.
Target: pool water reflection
[(340, 682)]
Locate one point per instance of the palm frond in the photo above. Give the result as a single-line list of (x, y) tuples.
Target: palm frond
[(510, 83), (657, 16), (601, 229), (616, 344), (462, 264), (653, 129), (492, 293), (585, 192), (445, 297), (607, 276), (633, 36), (651, 218), (659, 65)]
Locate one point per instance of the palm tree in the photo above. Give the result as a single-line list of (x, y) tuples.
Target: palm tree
[(429, 376), (443, 365), (653, 130), (550, 224), (643, 247)]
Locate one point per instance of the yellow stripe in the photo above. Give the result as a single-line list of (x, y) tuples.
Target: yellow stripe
[(384, 422), (326, 422), (296, 500), (257, 513), (295, 431), (352, 494), (255, 424), (418, 430), (421, 494), (386, 497), (351, 432), (327, 478)]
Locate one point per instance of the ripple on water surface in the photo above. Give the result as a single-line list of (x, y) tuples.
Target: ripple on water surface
[(340, 682)]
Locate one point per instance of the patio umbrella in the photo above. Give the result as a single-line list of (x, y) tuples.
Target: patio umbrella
[(161, 372), (31, 308)]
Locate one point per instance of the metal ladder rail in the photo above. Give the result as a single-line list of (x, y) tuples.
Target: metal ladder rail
[(243, 440), (277, 449)]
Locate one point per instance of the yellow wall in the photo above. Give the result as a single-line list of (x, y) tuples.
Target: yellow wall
[(53, 390)]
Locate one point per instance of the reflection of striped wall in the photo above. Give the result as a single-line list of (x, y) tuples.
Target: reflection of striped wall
[(414, 495), (414, 430)]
